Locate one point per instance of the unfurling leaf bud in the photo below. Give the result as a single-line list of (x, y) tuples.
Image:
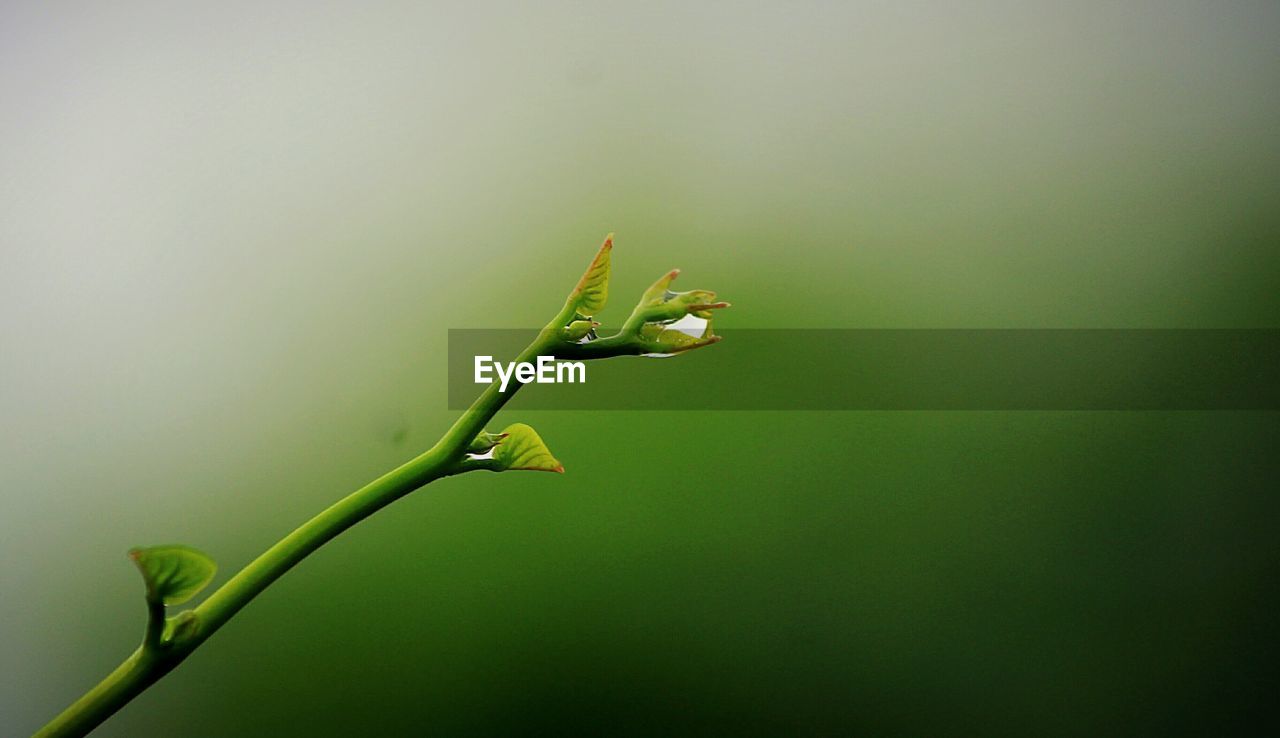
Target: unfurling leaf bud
[(175, 573), (180, 627), (484, 442), (579, 329), (589, 296), (521, 449), (650, 328), (658, 339), (659, 304)]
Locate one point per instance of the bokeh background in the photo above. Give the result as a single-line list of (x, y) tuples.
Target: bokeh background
[(233, 236)]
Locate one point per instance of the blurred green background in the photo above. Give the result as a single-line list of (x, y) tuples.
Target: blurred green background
[(232, 239)]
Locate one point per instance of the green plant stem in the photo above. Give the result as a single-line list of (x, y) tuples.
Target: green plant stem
[(156, 657), (167, 642), (129, 679)]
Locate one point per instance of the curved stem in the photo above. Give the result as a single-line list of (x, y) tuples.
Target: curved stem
[(157, 657), (163, 648)]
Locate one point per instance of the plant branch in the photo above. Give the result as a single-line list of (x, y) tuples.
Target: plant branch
[(151, 661), (176, 573)]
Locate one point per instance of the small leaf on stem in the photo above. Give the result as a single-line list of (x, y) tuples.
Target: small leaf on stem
[(174, 573), (659, 304), (578, 329), (523, 450), (484, 442), (589, 296), (662, 340), (180, 626)]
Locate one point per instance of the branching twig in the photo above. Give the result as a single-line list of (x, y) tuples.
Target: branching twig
[(174, 574)]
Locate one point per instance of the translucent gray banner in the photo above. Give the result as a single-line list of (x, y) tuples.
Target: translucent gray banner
[(891, 369)]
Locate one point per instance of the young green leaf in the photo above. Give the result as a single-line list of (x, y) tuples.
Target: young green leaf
[(659, 339), (589, 296), (524, 450), (659, 304), (657, 292), (174, 574)]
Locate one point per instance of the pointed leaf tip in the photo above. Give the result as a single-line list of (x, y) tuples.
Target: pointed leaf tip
[(658, 290), (524, 450), (173, 573)]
